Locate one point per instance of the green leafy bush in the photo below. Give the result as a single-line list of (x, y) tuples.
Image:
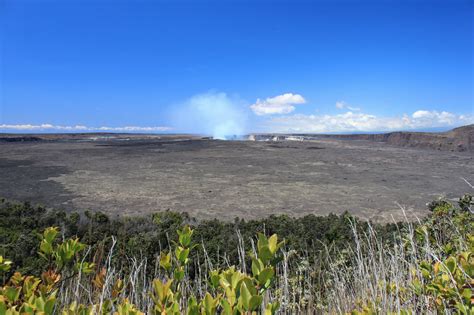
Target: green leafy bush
[(238, 292), (172, 264)]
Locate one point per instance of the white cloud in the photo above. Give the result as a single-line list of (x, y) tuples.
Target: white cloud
[(80, 128), (421, 114), (340, 104), (281, 104), (443, 117), (361, 122), (343, 105)]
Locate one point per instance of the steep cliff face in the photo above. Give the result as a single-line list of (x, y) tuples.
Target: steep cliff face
[(465, 136), (458, 139)]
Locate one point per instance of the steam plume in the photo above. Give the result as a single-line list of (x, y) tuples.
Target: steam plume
[(212, 113)]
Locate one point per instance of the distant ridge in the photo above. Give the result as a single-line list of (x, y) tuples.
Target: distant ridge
[(90, 136), (459, 139)]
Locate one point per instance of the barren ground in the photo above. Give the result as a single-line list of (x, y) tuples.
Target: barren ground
[(228, 179)]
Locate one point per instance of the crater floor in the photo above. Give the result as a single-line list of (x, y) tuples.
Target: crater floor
[(228, 179)]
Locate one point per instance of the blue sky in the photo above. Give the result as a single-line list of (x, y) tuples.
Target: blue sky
[(287, 66)]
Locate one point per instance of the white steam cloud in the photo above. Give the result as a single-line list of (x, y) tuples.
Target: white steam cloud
[(214, 114)]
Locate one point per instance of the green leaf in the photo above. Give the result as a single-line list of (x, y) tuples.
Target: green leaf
[(183, 256), (4, 264), (271, 308), (49, 306), (235, 279), (257, 266), (179, 274), (162, 289), (49, 235), (250, 286), (445, 277), (245, 296), (467, 294), (255, 302), (185, 236), (265, 276), (451, 264), (265, 254), (214, 278), (230, 295), (3, 307), (226, 308), (425, 273), (46, 247), (210, 303), (273, 243), (165, 261), (223, 282), (262, 241), (39, 303), (12, 293)]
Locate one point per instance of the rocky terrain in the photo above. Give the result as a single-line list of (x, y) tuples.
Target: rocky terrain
[(130, 175)]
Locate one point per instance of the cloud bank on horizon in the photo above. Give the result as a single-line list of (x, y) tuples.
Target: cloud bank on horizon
[(79, 128), (361, 122), (353, 120), (221, 116)]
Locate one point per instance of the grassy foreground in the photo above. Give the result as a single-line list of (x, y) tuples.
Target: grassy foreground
[(65, 263)]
